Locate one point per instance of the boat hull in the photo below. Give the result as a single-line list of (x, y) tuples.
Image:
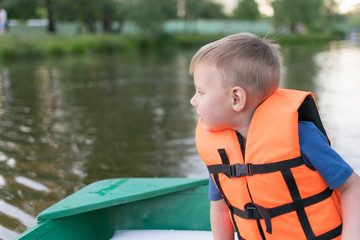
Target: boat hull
[(100, 209)]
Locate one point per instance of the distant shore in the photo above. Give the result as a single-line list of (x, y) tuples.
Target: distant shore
[(14, 47)]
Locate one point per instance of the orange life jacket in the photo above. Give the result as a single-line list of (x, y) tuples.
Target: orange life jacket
[(270, 192)]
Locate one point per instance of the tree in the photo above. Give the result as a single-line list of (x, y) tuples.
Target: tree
[(212, 10), (203, 9), (27, 9), (330, 15), (150, 15), (288, 13), (247, 9), (50, 16), (108, 14), (86, 12), (22, 9)]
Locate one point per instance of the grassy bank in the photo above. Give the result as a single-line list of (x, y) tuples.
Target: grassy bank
[(16, 47), (32, 46)]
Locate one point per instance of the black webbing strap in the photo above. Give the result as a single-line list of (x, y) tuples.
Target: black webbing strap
[(239, 170), (225, 160), (331, 234), (254, 211), (223, 156), (298, 204), (290, 207), (261, 212), (217, 182)]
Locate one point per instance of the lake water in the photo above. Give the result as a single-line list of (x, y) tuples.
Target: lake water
[(67, 122)]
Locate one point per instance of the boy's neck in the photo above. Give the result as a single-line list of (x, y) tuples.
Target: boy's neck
[(244, 123)]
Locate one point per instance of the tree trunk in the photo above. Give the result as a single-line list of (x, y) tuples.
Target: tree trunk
[(51, 24), (108, 17), (107, 22), (91, 26)]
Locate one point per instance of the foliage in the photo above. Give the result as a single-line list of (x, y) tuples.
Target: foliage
[(150, 14), (206, 9), (247, 9), (294, 39), (203, 9), (288, 13), (13, 47), (196, 40), (354, 20), (84, 11), (23, 9), (20, 47), (318, 16)]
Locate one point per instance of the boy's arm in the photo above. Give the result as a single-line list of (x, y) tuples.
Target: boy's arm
[(221, 225), (350, 195)]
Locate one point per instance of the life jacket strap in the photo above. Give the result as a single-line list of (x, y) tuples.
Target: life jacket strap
[(331, 234), (255, 212), (290, 207), (240, 170), (263, 212), (217, 182)]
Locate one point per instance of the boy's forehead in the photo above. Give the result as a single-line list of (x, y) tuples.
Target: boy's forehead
[(202, 71), (205, 74), (205, 68)]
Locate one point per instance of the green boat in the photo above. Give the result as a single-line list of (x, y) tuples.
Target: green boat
[(103, 208)]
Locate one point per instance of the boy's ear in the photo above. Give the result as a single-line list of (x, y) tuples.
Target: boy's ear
[(238, 95)]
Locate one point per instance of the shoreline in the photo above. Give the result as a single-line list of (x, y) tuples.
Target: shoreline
[(14, 47)]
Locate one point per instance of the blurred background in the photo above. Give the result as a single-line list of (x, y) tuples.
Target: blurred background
[(100, 89)]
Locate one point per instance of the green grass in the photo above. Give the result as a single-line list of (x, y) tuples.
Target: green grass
[(304, 39), (14, 46), (32, 46)]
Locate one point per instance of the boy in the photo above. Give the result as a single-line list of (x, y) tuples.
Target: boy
[(266, 149)]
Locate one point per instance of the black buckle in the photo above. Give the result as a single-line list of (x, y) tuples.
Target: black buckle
[(239, 170), (252, 212), (255, 211)]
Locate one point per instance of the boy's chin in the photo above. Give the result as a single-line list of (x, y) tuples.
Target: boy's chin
[(213, 128)]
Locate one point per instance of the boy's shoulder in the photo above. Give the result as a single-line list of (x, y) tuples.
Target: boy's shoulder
[(309, 128), (309, 134), (307, 125)]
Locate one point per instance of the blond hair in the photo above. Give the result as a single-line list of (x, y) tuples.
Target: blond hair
[(244, 60)]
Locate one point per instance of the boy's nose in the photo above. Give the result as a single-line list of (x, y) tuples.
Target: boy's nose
[(192, 101)]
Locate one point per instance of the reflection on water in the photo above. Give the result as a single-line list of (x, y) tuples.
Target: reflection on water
[(68, 122), (338, 87), (332, 72)]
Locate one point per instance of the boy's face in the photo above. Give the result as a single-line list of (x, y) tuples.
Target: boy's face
[(212, 102)]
